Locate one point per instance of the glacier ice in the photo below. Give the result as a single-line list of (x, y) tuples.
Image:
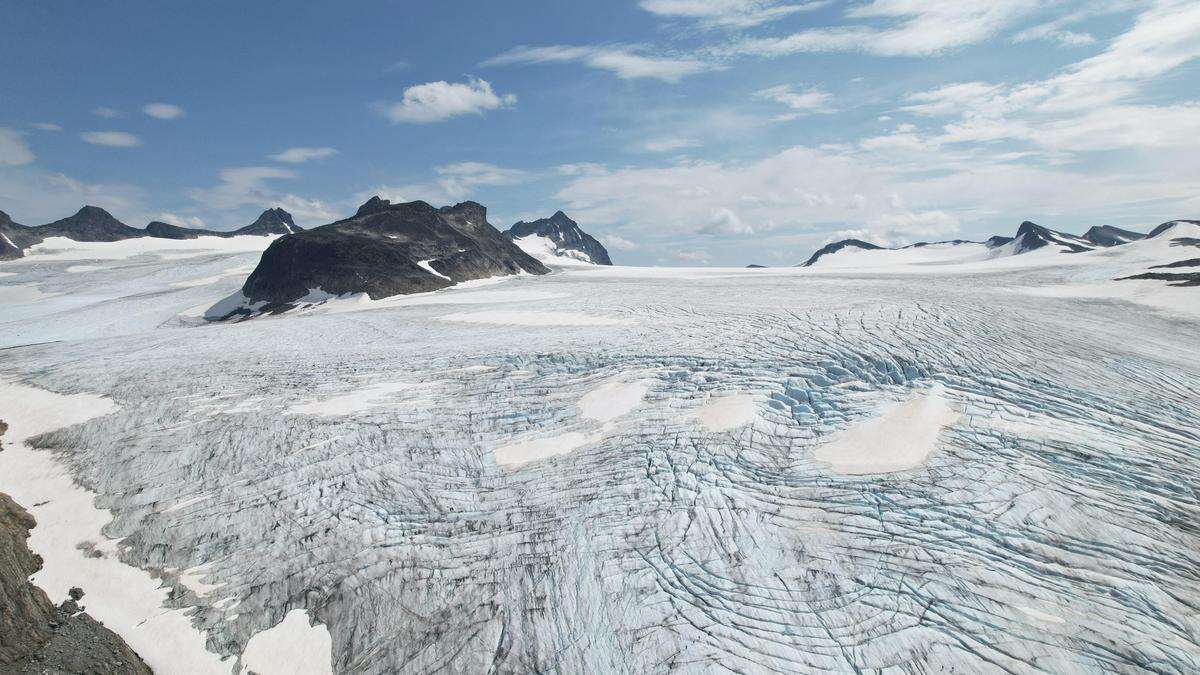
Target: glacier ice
[(348, 467)]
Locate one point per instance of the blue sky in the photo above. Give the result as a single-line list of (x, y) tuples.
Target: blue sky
[(677, 131)]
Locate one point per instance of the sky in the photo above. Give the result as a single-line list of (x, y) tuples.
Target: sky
[(678, 132)]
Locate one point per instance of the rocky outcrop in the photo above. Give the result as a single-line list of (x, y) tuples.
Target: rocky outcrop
[(36, 636), (15, 238), (271, 221), (558, 237), (161, 230), (1031, 236), (1107, 235), (837, 246), (385, 249), (91, 223)]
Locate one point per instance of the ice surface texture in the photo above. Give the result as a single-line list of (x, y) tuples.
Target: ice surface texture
[(1053, 527)]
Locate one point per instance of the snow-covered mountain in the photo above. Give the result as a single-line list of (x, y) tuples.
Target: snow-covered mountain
[(384, 250), (558, 239), (1029, 237)]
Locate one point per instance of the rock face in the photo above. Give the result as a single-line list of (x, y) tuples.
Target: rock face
[(1107, 235), (558, 237), (91, 223), (163, 230), (272, 221), (1031, 236), (15, 238), (837, 246), (384, 250), (1165, 227), (36, 636)]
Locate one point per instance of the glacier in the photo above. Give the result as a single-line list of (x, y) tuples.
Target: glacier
[(987, 466)]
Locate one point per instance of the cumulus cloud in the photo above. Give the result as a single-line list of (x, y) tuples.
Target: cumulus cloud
[(163, 111), (113, 139), (617, 243), (438, 101), (621, 60), (32, 197), (897, 194), (302, 155), (13, 149), (727, 13)]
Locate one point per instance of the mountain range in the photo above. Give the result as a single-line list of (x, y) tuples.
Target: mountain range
[(94, 224), (1029, 237)]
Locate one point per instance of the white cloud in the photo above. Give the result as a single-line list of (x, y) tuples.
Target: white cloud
[(13, 149), (437, 101), (695, 257), (1090, 105), (242, 185), (107, 113), (163, 111), (46, 126), (301, 155), (114, 139), (618, 243), (184, 221), (727, 13), (669, 144), (917, 28), (908, 193), (623, 61), (810, 100), (308, 211), (33, 197), (454, 183)]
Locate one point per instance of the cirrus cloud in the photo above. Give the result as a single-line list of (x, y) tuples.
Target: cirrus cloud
[(302, 155)]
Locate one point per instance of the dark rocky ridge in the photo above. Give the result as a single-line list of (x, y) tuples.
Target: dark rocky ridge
[(37, 637), (15, 238), (1031, 236), (837, 246), (379, 252), (271, 221), (567, 236), (94, 224), (91, 223), (1107, 235), (1168, 225)]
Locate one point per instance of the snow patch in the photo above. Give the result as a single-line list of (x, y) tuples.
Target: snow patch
[(355, 401), (728, 411), (531, 450), (424, 264), (900, 437), (536, 319), (614, 399), (294, 646), (126, 599)]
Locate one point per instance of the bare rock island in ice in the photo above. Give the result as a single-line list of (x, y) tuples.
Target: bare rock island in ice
[(384, 250)]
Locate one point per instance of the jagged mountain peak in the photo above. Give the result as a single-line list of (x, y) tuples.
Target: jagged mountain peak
[(558, 239), (272, 221)]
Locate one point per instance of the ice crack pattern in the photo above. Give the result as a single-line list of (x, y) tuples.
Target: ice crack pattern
[(346, 464)]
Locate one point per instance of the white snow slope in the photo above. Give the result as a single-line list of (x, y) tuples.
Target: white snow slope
[(979, 465)]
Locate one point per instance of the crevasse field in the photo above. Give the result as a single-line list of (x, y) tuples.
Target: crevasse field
[(981, 466)]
